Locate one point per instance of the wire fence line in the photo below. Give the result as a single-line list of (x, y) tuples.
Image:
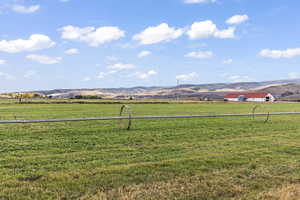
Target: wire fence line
[(144, 117)]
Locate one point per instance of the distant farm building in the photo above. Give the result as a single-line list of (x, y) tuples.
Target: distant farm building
[(252, 97)]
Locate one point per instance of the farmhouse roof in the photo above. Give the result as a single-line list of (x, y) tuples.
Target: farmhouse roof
[(247, 95)]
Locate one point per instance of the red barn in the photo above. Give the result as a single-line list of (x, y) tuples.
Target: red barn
[(255, 97)]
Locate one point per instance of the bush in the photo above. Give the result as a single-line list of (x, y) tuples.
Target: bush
[(86, 97)]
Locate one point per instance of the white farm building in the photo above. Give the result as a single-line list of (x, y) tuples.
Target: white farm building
[(252, 97)]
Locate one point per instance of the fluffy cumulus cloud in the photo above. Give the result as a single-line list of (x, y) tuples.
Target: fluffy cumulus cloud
[(2, 62), (25, 9), (72, 51), (198, 30), (198, 1), (145, 75), (207, 29), (237, 19), (200, 54), (288, 53), (144, 54), (226, 33), (92, 36), (160, 33), (187, 77), (34, 43), (43, 59)]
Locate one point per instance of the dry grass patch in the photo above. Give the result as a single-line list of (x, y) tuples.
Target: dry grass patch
[(287, 192), (179, 188)]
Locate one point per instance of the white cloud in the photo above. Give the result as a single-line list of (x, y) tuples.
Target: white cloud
[(24, 9), (293, 75), (203, 29), (43, 59), (238, 78), (115, 68), (29, 74), (92, 36), (6, 76), (121, 66), (198, 1), (2, 62), (227, 61), (289, 53), (72, 51), (160, 33), (207, 29), (34, 43), (146, 75), (237, 19), (144, 54), (127, 45), (200, 54), (187, 77), (226, 33), (73, 33)]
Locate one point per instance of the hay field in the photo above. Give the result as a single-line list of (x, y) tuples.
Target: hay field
[(228, 158)]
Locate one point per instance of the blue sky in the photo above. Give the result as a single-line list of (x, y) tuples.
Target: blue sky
[(47, 44)]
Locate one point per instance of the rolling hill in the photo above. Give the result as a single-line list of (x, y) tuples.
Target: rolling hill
[(279, 88)]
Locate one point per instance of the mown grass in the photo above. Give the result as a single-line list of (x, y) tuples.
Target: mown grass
[(232, 158), (89, 101)]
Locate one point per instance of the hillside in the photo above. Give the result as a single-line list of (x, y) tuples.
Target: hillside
[(279, 88), (283, 90)]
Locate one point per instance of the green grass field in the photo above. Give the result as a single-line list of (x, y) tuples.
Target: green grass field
[(228, 158), (95, 101)]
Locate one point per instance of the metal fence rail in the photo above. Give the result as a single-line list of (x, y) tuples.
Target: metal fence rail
[(144, 117)]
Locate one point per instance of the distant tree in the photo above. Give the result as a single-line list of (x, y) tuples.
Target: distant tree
[(86, 97), (78, 97), (36, 95), (19, 96)]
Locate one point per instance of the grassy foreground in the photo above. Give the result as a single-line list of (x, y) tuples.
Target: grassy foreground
[(232, 158)]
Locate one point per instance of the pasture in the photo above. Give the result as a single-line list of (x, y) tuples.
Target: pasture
[(228, 158)]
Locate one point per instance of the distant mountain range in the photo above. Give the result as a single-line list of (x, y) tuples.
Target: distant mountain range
[(279, 88)]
